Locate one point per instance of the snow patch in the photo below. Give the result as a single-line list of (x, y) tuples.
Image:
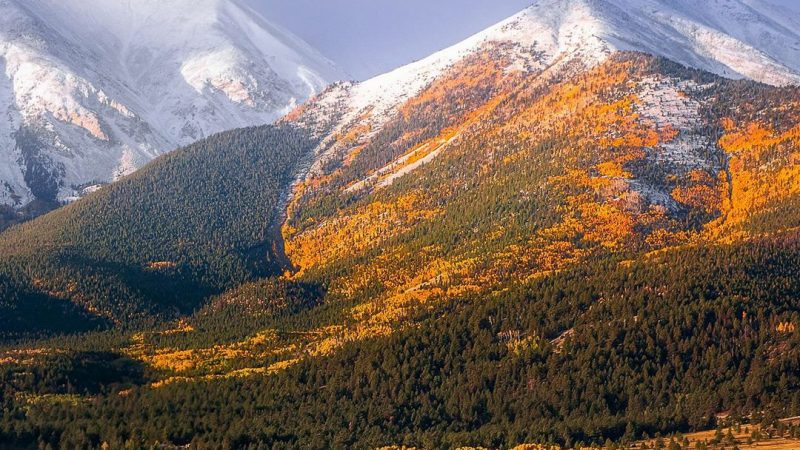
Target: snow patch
[(127, 165), (665, 103)]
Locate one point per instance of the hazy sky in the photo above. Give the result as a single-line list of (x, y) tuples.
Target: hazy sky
[(368, 37)]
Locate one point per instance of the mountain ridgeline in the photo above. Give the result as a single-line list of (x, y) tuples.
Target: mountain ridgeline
[(191, 224)]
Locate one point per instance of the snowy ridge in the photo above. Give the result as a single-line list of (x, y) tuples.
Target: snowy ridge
[(732, 38), (93, 89)]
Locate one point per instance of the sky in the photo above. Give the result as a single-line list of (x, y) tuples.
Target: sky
[(370, 37), (795, 4)]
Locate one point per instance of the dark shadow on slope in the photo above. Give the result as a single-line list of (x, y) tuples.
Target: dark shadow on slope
[(26, 313), (79, 373)]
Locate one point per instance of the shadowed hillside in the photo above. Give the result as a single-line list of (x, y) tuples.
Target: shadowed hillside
[(156, 244)]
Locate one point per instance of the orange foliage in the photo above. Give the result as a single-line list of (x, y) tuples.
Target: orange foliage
[(613, 169), (786, 327), (479, 69), (727, 124), (667, 133), (761, 168), (753, 136), (354, 232), (606, 225), (700, 192), (158, 265)]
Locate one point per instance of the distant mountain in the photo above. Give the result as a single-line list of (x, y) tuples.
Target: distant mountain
[(91, 90)]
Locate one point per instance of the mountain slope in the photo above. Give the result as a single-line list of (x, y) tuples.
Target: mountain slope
[(193, 223), (92, 90), (523, 175), (498, 165)]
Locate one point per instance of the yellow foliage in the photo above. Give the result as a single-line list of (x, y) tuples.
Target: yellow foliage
[(756, 181), (606, 225), (613, 169), (701, 192), (178, 361), (754, 135), (159, 265), (536, 447), (355, 232)]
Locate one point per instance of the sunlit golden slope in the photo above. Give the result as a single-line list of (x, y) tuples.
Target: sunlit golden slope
[(527, 172)]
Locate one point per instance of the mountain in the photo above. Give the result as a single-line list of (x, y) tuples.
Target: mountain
[(545, 139), (555, 232), (92, 90)]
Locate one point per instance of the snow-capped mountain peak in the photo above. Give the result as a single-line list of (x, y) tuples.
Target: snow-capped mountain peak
[(93, 89), (733, 38)]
